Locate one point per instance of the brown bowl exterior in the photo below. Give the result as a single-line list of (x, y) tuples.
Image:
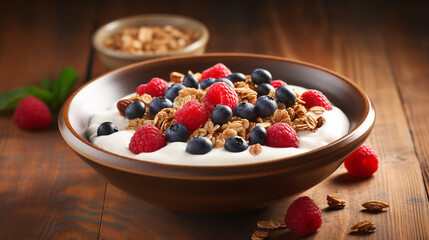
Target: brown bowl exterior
[(216, 189)]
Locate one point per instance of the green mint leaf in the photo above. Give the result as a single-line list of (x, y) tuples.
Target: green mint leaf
[(48, 84), (62, 86), (10, 99)]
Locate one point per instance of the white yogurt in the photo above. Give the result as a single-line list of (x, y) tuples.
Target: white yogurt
[(335, 126)]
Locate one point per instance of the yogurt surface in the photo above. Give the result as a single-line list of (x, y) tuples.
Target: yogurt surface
[(335, 126)]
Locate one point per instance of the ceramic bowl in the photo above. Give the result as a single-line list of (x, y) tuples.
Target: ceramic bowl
[(216, 189), (115, 59)]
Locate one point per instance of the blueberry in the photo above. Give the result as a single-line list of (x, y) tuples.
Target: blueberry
[(221, 114), (260, 76), (199, 145), (106, 128), (245, 110), (265, 106), (286, 96), (190, 81), (258, 135), (177, 132), (225, 80), (264, 89), (207, 83), (159, 103), (135, 109), (173, 91), (236, 144), (237, 77)]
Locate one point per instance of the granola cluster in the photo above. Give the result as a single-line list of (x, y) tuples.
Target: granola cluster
[(151, 39), (297, 116)]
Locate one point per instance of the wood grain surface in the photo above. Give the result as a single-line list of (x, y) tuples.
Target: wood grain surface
[(47, 192)]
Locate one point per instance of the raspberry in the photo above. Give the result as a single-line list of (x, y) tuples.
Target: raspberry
[(32, 114), (363, 162), (192, 115), (278, 83), (156, 87), (147, 139), (303, 217), (220, 94), (217, 71), (281, 135), (315, 98)]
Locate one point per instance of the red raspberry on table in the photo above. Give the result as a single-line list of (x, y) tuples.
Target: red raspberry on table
[(147, 139), (315, 98), (281, 135), (217, 71), (32, 114), (303, 216), (192, 115), (220, 94), (278, 83), (156, 87), (363, 162)]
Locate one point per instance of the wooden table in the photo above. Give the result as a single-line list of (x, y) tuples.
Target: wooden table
[(47, 192)]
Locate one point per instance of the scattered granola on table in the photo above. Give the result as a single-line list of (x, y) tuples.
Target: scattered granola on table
[(364, 226), (375, 205), (335, 202)]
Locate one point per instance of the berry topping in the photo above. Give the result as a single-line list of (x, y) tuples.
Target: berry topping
[(225, 80), (173, 91), (190, 81), (199, 145), (363, 162), (315, 98), (156, 87), (220, 94), (235, 144), (265, 105), (159, 103), (278, 83), (303, 216), (260, 76), (217, 71), (221, 114), (135, 109), (264, 89), (192, 114), (237, 77), (106, 128), (281, 135), (177, 133), (285, 96), (207, 83), (245, 110), (32, 114), (258, 135), (147, 139)]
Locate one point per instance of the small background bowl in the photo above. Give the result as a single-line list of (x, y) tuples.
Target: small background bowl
[(216, 189), (115, 59)]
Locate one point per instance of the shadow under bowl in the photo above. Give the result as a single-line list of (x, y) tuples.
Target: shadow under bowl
[(216, 189)]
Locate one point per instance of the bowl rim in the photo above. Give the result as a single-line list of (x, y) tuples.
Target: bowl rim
[(209, 172), (201, 41)]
